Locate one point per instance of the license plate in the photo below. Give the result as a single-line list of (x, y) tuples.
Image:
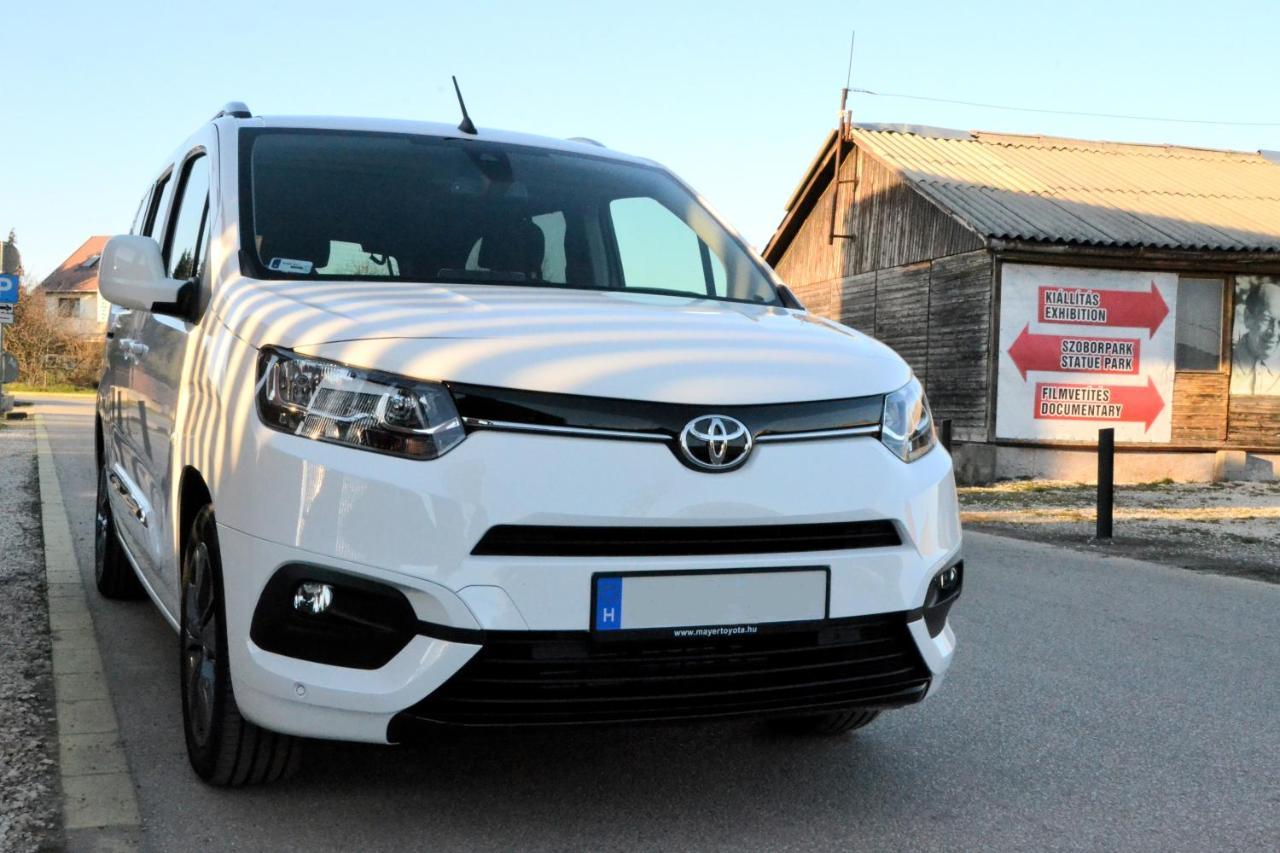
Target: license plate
[(717, 600)]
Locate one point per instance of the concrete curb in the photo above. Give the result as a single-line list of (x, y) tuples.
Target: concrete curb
[(100, 811)]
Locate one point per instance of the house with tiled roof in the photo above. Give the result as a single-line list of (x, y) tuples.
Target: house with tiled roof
[(71, 291), (1044, 289)]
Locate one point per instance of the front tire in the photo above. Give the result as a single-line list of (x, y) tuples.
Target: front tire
[(828, 725), (112, 573), (225, 749)]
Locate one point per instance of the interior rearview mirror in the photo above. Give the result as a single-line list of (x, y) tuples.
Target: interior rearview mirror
[(132, 275)]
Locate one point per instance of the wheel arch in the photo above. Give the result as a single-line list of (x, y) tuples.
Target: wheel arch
[(193, 493)]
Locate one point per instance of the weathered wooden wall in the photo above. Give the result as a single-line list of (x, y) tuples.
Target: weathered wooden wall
[(959, 353), (937, 315), (1253, 421), (1199, 408), (891, 224), (884, 224), (809, 264)]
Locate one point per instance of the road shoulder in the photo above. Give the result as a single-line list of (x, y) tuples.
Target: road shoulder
[(1219, 528), (29, 802), (100, 809)]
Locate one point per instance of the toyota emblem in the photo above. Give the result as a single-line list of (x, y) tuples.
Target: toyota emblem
[(715, 443)]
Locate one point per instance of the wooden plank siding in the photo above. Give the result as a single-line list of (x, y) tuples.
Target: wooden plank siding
[(809, 265), (884, 224), (959, 355), (858, 302), (1253, 421), (892, 224), (902, 313), (1199, 408), (937, 316)]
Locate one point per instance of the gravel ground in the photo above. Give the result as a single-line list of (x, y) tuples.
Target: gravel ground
[(29, 799), (1228, 528)]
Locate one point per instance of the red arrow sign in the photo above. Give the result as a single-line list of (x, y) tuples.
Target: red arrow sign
[(1087, 306), (1074, 353), (1076, 402)]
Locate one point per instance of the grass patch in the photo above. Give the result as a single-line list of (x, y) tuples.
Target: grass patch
[(1149, 487), (57, 388)]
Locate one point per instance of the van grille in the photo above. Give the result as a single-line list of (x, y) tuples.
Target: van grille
[(515, 680), (525, 540)]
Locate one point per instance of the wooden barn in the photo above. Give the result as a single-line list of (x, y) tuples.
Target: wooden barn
[(1044, 288)]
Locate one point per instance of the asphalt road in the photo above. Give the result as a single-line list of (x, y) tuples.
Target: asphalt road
[(1096, 703)]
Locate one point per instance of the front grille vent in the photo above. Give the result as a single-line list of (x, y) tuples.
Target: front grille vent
[(524, 540), (868, 662)]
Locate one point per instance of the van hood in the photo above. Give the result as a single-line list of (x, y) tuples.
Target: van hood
[(599, 343)]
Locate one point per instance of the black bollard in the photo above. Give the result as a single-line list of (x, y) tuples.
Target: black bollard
[(1106, 480), (944, 433)]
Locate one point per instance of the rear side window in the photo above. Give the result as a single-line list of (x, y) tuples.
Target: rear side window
[(186, 235), (144, 209), (159, 199)]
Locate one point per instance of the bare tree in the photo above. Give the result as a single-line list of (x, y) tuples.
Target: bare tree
[(48, 352)]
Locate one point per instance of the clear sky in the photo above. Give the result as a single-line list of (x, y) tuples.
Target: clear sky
[(734, 96)]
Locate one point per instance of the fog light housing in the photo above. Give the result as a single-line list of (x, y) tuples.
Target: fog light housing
[(943, 591), (326, 616), (313, 598)]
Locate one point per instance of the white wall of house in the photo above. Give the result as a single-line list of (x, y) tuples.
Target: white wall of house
[(86, 313)]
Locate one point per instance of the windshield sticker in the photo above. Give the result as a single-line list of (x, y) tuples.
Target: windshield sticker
[(290, 265)]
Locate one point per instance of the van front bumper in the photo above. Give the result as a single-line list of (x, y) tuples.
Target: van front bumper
[(505, 639)]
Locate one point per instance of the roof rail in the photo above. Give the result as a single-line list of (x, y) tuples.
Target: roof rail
[(587, 141), (235, 109)]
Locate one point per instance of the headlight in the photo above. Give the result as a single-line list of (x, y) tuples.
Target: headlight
[(907, 425), (327, 401)]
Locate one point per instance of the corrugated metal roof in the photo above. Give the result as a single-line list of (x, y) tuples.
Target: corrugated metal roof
[(1095, 193)]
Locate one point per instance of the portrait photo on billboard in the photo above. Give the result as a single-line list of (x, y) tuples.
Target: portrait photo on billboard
[(1255, 337)]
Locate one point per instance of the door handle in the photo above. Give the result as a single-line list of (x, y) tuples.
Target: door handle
[(132, 348)]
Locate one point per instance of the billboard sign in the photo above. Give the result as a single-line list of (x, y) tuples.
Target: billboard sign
[(1082, 349)]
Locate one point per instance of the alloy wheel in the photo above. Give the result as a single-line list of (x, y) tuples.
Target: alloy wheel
[(200, 642)]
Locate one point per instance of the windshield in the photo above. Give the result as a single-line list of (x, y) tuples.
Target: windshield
[(380, 206)]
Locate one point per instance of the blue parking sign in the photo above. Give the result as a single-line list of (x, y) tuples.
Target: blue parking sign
[(8, 289)]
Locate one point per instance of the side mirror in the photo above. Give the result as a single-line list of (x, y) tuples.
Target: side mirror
[(131, 274)]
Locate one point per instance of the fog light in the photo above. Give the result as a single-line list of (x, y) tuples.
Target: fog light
[(312, 598), (943, 591)]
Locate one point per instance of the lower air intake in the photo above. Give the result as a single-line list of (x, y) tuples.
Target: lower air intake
[(865, 662)]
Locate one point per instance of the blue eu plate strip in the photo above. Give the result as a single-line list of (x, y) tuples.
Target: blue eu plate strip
[(608, 604)]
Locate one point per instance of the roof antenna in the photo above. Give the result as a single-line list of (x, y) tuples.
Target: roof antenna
[(465, 125), (842, 130)]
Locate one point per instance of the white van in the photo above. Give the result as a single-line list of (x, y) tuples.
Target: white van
[(404, 425)]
